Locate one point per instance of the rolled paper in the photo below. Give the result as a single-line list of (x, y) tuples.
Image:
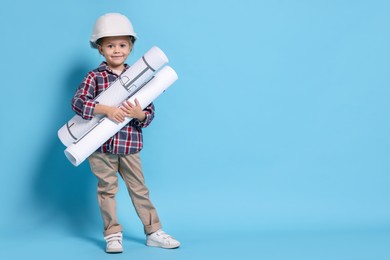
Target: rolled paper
[(81, 149), (127, 84)]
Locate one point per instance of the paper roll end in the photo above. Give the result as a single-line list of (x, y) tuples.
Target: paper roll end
[(155, 58), (73, 159)]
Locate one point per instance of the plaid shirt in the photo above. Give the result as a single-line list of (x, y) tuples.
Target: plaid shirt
[(129, 139)]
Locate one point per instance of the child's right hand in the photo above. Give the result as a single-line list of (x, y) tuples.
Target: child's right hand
[(116, 114)]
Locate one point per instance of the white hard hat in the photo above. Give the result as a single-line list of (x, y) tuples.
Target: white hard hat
[(111, 24)]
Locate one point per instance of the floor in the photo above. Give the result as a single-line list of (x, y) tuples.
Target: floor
[(270, 245)]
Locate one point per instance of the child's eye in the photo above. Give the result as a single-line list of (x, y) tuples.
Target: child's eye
[(123, 45), (110, 46)]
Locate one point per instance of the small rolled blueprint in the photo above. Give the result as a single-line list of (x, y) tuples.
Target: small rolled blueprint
[(127, 84), (94, 137)]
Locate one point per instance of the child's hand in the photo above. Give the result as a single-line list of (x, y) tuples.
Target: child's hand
[(116, 114), (133, 111)]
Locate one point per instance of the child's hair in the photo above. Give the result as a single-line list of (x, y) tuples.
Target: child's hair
[(132, 40)]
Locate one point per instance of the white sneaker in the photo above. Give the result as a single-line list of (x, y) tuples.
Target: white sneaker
[(161, 239), (114, 243)]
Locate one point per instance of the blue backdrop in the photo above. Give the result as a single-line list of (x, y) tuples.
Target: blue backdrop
[(278, 124)]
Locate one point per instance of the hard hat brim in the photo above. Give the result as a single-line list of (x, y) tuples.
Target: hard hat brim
[(94, 45)]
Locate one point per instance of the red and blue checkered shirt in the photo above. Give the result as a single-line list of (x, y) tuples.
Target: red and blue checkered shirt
[(129, 139)]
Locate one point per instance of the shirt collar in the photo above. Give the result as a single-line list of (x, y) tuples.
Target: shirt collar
[(103, 67)]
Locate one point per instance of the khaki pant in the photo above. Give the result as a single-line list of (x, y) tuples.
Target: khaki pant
[(105, 167)]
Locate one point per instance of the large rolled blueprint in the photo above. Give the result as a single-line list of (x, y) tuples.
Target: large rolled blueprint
[(84, 146), (127, 84)]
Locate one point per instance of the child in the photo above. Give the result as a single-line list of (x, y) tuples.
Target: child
[(114, 37)]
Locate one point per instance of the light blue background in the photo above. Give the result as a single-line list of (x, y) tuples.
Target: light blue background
[(273, 143)]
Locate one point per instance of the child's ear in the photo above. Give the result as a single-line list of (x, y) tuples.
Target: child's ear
[(100, 50)]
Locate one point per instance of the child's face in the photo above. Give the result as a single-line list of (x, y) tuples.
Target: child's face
[(115, 49)]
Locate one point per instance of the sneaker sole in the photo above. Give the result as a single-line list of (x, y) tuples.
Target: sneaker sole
[(151, 243), (114, 251)]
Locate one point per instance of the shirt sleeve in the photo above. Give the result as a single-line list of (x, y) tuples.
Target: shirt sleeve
[(83, 101), (149, 112)]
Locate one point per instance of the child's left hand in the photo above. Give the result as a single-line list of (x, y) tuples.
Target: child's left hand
[(133, 110)]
